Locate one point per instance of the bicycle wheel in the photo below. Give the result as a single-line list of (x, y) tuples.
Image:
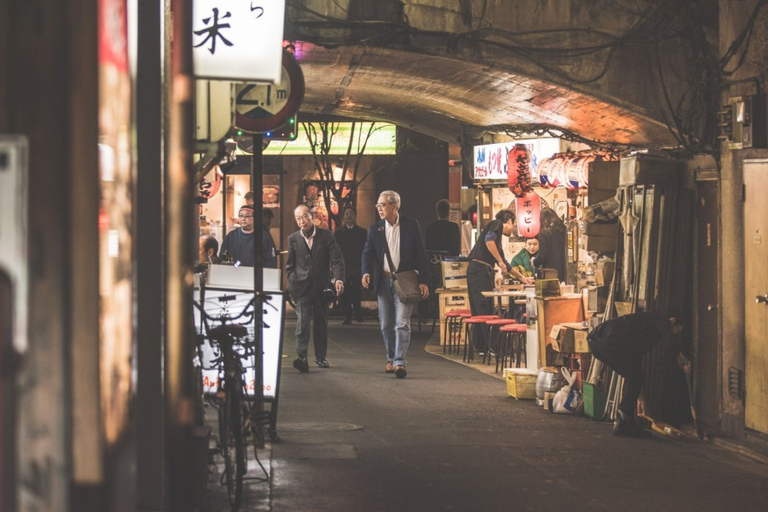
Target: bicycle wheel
[(232, 446)]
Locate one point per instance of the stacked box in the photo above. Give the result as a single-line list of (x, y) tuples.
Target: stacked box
[(569, 337), (455, 274)]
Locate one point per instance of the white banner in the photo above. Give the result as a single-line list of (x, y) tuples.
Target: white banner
[(491, 159), (238, 40)]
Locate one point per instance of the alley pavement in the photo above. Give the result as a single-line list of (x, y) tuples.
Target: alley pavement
[(449, 438)]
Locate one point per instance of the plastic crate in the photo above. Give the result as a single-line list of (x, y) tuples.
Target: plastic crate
[(594, 401), (521, 383)]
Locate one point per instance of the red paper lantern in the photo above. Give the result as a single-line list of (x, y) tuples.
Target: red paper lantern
[(528, 215), (210, 183), (519, 161)]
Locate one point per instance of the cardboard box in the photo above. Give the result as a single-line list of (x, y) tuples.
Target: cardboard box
[(455, 274), (569, 337)]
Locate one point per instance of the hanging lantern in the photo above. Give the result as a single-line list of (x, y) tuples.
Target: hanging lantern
[(545, 169), (528, 215), (210, 183), (519, 170)]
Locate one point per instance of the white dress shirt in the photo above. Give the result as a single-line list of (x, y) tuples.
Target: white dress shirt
[(392, 235)]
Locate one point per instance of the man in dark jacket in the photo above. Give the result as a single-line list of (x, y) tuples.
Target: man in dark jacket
[(314, 263), (351, 240), (443, 235), (402, 235), (238, 244), (621, 343)]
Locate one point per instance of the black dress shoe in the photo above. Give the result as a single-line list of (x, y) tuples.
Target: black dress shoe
[(627, 427), (359, 318), (301, 364), (322, 363), (346, 321)]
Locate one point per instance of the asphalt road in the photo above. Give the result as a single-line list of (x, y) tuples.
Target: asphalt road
[(449, 438)]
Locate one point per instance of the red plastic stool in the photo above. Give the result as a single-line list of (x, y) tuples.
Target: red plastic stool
[(469, 329), (454, 323), (511, 341), (489, 346)]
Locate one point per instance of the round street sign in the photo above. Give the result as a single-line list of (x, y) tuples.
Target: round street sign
[(260, 108)]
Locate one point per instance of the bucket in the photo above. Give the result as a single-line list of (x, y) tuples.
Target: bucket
[(549, 380)]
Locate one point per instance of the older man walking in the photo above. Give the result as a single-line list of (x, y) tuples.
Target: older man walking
[(402, 236), (314, 262)]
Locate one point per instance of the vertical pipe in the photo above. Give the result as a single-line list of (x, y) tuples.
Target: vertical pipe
[(179, 404), (257, 185), (150, 464)]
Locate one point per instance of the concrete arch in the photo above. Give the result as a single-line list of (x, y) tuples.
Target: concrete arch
[(448, 69)]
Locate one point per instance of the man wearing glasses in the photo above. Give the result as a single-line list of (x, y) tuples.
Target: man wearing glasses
[(402, 235), (238, 244)]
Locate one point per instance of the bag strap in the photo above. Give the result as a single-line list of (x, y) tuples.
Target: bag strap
[(389, 256)]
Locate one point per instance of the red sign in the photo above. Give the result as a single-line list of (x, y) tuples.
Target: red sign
[(260, 108), (528, 215)]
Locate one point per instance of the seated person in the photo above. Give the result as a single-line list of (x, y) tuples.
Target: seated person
[(209, 246), (523, 267)]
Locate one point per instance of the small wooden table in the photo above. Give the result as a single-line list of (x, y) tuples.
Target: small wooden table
[(500, 294)]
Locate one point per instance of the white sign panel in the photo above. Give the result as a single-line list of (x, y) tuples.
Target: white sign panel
[(238, 40), (13, 229), (218, 301), (491, 159)]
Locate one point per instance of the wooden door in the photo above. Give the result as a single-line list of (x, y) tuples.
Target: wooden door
[(756, 296), (707, 356)]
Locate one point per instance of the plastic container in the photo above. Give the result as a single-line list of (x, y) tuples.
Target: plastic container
[(521, 383), (594, 401)]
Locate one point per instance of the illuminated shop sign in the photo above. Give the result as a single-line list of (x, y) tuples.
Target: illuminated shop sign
[(491, 159), (382, 141)]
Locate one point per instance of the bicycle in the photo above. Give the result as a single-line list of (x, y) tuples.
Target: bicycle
[(230, 339)]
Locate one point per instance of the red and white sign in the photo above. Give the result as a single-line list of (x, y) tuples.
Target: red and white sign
[(528, 215), (491, 159), (261, 108)]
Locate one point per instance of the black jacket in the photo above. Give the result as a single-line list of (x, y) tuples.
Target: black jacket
[(310, 271)]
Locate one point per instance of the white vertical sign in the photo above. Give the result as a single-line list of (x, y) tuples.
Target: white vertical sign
[(238, 40), (13, 229)]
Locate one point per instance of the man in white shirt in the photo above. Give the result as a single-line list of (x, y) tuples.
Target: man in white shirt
[(402, 235)]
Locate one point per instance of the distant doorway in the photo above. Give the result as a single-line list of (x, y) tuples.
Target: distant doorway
[(756, 296)]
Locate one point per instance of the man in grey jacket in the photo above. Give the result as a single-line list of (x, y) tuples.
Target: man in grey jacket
[(315, 264)]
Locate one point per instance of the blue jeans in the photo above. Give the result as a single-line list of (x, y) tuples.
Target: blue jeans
[(395, 321)]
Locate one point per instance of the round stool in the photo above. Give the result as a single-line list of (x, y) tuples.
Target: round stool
[(454, 323), (469, 329), (511, 337), (489, 345)]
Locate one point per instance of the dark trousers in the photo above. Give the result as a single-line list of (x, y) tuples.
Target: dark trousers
[(626, 360), (479, 280), (316, 308), (350, 299)]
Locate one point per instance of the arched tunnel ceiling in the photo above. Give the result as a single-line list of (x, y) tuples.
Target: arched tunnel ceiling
[(444, 98)]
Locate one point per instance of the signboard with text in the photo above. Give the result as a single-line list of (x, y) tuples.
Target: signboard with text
[(491, 159), (221, 301), (238, 40)]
